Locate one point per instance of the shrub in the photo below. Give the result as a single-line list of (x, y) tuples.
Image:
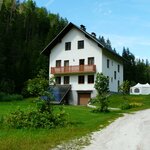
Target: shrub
[(7, 86), (128, 105), (125, 106), (43, 116), (37, 85), (124, 87), (101, 85), (10, 97)]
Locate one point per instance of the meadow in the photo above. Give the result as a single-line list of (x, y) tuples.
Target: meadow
[(84, 121)]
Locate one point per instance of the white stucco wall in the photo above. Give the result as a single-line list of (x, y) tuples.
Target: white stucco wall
[(90, 50), (113, 66)]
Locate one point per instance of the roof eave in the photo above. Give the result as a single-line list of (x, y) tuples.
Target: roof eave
[(56, 39)]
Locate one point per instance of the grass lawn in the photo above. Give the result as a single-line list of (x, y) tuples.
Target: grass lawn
[(84, 122)]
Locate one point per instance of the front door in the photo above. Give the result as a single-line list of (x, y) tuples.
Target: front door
[(66, 65), (81, 64)]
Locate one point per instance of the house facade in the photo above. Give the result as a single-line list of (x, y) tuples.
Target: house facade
[(75, 57)]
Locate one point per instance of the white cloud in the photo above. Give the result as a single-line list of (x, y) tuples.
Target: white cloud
[(49, 3), (102, 8)]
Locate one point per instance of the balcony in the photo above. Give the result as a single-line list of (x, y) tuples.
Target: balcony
[(74, 69)]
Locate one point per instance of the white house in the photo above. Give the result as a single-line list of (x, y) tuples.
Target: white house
[(75, 57)]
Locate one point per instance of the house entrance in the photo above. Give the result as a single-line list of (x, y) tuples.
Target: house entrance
[(83, 98)]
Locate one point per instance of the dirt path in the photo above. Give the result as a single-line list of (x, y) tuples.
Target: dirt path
[(131, 132)]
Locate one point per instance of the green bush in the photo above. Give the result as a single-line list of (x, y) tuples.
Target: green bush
[(128, 105), (7, 86), (124, 87), (101, 86), (43, 116), (125, 106), (36, 86), (10, 97)]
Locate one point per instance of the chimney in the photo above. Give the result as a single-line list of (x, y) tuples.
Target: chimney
[(93, 34), (83, 27)]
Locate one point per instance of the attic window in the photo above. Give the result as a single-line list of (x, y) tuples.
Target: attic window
[(68, 46), (81, 44)]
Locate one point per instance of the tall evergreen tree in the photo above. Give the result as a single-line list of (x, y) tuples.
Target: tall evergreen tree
[(25, 29), (129, 64)]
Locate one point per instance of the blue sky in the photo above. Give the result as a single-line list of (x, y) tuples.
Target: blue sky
[(124, 22)]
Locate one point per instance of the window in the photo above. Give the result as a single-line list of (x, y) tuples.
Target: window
[(66, 63), (66, 79), (136, 90), (90, 78), (114, 74), (81, 61), (107, 63), (111, 79), (58, 80), (91, 61), (58, 63), (118, 85), (68, 46), (80, 44), (118, 68), (81, 79)]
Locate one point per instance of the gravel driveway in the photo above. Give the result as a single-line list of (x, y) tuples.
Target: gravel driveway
[(131, 132)]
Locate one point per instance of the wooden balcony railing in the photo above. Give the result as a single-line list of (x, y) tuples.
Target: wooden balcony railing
[(73, 69)]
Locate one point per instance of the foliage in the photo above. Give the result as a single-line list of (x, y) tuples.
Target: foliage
[(25, 30), (7, 86), (85, 122), (135, 70), (4, 97), (38, 85), (101, 85), (102, 102), (124, 87), (41, 117), (127, 105)]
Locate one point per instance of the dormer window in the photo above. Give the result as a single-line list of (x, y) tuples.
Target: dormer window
[(81, 44), (68, 46)]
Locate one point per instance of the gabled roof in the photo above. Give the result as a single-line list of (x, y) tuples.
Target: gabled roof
[(66, 29)]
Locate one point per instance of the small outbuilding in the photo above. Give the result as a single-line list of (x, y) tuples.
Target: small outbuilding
[(143, 89)]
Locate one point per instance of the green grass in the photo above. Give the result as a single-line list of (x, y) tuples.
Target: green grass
[(117, 100), (83, 122)]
